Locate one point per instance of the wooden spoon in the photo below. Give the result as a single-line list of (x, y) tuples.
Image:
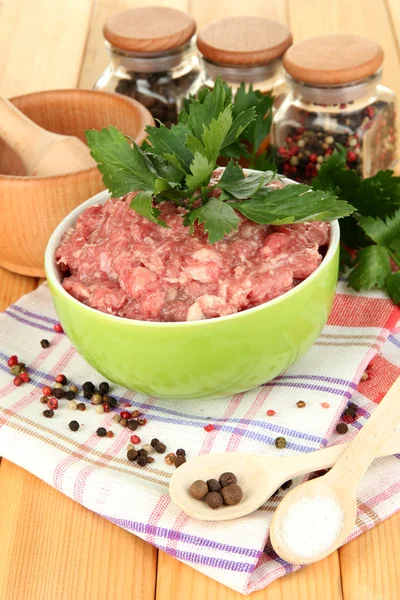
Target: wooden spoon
[(258, 476), (43, 153), (337, 489)]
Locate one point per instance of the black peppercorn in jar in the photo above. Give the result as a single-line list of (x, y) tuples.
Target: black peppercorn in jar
[(245, 49), (153, 59), (335, 101)]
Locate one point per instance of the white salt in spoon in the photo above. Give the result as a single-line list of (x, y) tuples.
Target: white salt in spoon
[(315, 518), (258, 476)]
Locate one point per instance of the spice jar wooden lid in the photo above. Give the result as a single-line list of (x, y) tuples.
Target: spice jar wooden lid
[(333, 59), (149, 29), (243, 41)]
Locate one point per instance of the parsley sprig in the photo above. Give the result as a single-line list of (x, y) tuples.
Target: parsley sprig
[(176, 165), (373, 230)]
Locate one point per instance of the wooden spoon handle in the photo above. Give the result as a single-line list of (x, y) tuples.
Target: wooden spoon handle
[(20, 133), (355, 460)]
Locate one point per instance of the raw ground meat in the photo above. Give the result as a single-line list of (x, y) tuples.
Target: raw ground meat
[(120, 263)]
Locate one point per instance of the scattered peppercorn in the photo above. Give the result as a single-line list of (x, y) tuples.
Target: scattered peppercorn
[(58, 393), (348, 419), (58, 328), (135, 414), (112, 402), (117, 418), (17, 380), (57, 386), (232, 494), (25, 377), (271, 413), (46, 390), (123, 422), (72, 405), (179, 460), (49, 413), (180, 452), (142, 460), (142, 422), (60, 379), (44, 399), (169, 459), (81, 406), (99, 409), (107, 407), (135, 439), (101, 432), (342, 428), (150, 459), (97, 399), (104, 388), (142, 452), (16, 370), (214, 500), (325, 404), (199, 489), (280, 442), (110, 434), (70, 395), (227, 479), (287, 484), (132, 455), (364, 376), (125, 414), (74, 425), (73, 389), (13, 360), (301, 404), (52, 403), (44, 343), (209, 427), (160, 448), (149, 448), (132, 424), (213, 485), (88, 387)]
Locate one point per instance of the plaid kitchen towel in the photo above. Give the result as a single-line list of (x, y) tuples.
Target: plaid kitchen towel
[(95, 472)]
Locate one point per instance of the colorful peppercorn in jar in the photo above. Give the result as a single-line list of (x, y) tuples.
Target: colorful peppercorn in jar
[(335, 100), (245, 49), (153, 59)]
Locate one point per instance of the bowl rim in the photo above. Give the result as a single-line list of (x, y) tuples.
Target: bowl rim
[(53, 275), (141, 110)]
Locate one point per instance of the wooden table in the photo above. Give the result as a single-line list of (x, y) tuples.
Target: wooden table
[(52, 548)]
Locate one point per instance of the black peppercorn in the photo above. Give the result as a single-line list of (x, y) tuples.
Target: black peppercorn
[(198, 489), (214, 500), (49, 413), (113, 402), (342, 428), (179, 460), (180, 452), (104, 388), (232, 494), (44, 343), (142, 460), (74, 426), (101, 432), (132, 455), (227, 479), (69, 395), (213, 485), (143, 452), (154, 442), (88, 386), (160, 448), (132, 424), (58, 393)]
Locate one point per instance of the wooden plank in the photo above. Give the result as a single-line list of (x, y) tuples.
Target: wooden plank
[(13, 286), (179, 582), (51, 548), (204, 12), (393, 9), (370, 563), (96, 57), (41, 44)]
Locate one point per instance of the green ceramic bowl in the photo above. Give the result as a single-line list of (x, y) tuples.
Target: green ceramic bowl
[(197, 359)]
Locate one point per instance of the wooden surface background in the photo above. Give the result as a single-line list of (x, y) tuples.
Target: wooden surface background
[(50, 547)]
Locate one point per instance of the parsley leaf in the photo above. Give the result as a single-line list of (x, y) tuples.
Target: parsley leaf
[(383, 232), (372, 270), (124, 169), (237, 185), (166, 142), (142, 204), (218, 217), (201, 169)]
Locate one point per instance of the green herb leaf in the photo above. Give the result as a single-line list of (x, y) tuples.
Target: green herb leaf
[(124, 169), (293, 204), (201, 170), (218, 217), (202, 112), (384, 232), (166, 142), (237, 185), (393, 286), (214, 135), (142, 204), (372, 270), (239, 125)]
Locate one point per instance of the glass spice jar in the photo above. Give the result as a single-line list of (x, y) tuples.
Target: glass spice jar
[(153, 59), (335, 99), (245, 49)]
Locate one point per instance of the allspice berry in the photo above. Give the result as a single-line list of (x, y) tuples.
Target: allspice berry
[(232, 494), (179, 460), (280, 442), (198, 489), (214, 500), (213, 485), (227, 479), (132, 455)]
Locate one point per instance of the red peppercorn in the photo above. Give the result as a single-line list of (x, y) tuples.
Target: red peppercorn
[(46, 390), (342, 106), (106, 407), (13, 360), (325, 405), (142, 422), (17, 380), (135, 439), (282, 150), (286, 167), (351, 156), (271, 413), (125, 414), (348, 419), (58, 328), (25, 377), (328, 152), (209, 427), (293, 169), (52, 403), (60, 379), (313, 157)]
